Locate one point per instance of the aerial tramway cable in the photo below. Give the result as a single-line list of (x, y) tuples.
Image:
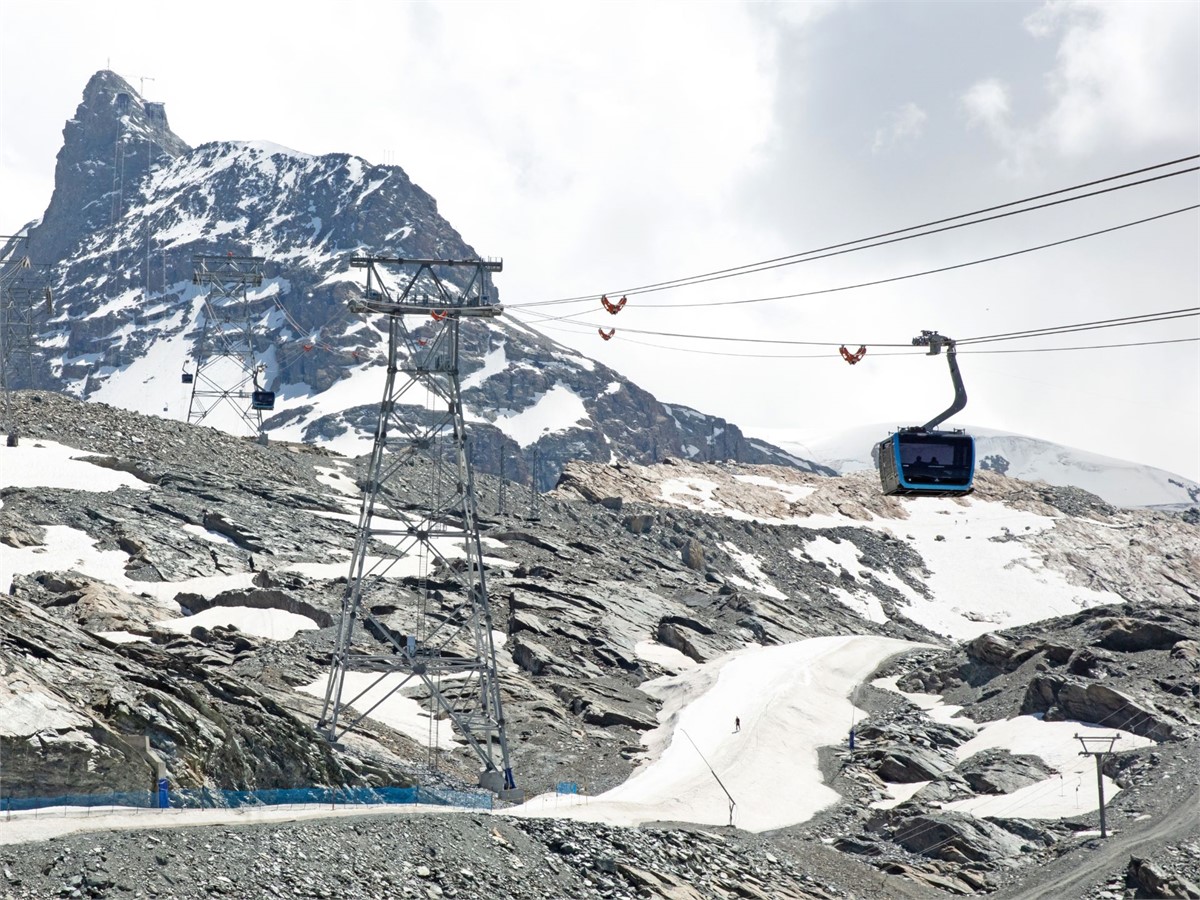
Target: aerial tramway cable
[(1146, 319), (896, 278), (893, 236), (1140, 319)]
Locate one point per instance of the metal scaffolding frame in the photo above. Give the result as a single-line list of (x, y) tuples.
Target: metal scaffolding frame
[(417, 587), (228, 334)]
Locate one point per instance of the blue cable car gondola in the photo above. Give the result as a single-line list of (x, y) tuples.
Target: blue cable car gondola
[(922, 459)]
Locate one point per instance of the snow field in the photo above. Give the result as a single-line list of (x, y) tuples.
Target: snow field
[(978, 584), (494, 362), (792, 699), (752, 566), (979, 579), (1071, 792), (42, 463)]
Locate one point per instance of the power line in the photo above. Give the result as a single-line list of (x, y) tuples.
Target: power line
[(889, 237)]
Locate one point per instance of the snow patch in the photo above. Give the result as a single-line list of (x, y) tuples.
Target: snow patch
[(380, 698), (558, 409), (273, 624)]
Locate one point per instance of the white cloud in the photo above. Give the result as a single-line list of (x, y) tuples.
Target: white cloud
[(900, 125), (1125, 72), (1124, 77), (987, 104), (801, 15)]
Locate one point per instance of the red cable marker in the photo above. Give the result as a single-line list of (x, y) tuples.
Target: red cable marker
[(613, 308), (608, 336), (853, 358)]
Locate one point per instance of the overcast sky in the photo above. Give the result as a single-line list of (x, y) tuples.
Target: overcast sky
[(601, 146)]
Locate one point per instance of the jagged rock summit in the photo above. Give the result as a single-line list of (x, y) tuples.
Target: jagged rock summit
[(115, 137), (133, 203)]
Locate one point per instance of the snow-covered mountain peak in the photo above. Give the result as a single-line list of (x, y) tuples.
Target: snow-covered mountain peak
[(133, 204)]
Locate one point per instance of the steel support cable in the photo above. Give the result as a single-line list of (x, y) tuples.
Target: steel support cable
[(1087, 326), (283, 362), (828, 356), (1146, 319), (1050, 331), (878, 240), (910, 275), (1089, 347), (716, 337), (1163, 316)]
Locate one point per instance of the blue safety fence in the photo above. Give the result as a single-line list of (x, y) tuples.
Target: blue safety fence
[(135, 799), (207, 798)]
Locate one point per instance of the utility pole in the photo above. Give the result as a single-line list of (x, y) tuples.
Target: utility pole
[(533, 486), (500, 498), (716, 777), (1098, 746), (420, 484)]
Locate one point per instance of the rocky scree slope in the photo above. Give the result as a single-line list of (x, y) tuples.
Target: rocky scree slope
[(613, 561), (133, 203), (424, 856), (577, 591)]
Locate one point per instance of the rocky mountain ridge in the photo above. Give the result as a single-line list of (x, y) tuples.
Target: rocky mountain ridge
[(133, 203)]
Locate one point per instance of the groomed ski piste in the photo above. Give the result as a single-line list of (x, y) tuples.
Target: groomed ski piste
[(790, 699)]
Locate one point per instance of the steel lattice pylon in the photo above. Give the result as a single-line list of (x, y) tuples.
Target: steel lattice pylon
[(25, 298), (227, 369), (417, 588)]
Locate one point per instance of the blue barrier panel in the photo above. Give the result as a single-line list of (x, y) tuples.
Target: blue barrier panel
[(208, 798)]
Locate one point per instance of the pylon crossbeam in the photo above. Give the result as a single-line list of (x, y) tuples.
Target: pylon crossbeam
[(440, 627)]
